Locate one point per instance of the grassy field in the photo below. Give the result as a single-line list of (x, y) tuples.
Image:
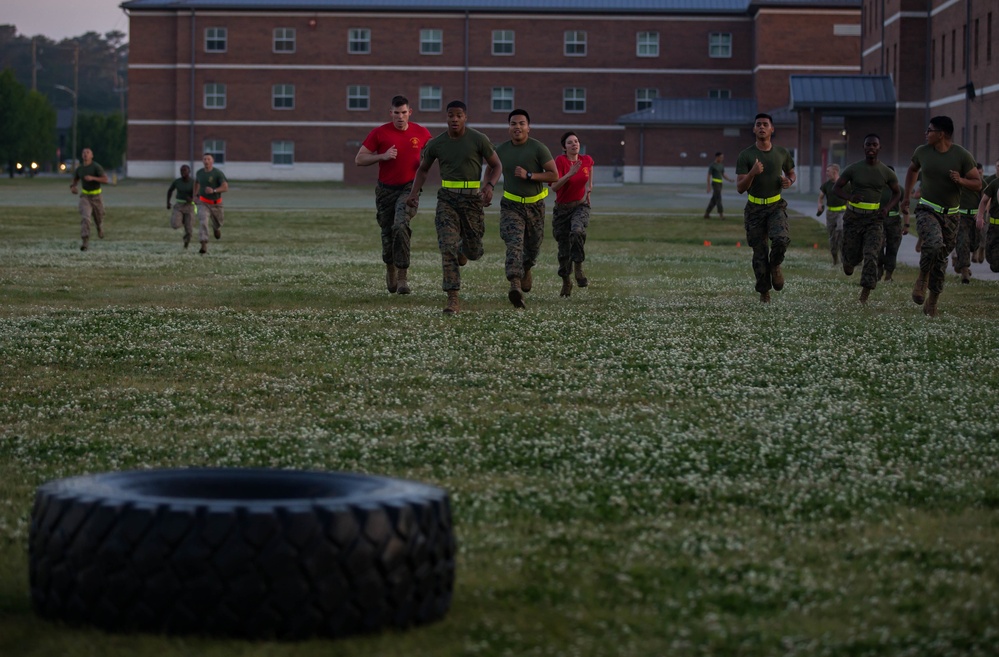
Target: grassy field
[(658, 465)]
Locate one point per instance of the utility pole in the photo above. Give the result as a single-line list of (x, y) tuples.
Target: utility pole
[(76, 93), (34, 65)]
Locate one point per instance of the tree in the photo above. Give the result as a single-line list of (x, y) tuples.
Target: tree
[(105, 135), (12, 118), (38, 143)]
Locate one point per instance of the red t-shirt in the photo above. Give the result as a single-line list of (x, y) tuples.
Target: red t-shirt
[(407, 142), (574, 188)]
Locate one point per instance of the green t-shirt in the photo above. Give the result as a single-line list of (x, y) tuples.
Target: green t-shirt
[(92, 169), (775, 161), (969, 199), (992, 191), (185, 190), (934, 170), (832, 200), (532, 155), (717, 172), (869, 181), (461, 158), (213, 179)]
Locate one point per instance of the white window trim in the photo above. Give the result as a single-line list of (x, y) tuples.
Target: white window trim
[(351, 40), (439, 98), (575, 100), (293, 39), (721, 34), (284, 165), (512, 42), (493, 98), (440, 42), (226, 40), (224, 94), (584, 42), (367, 97), (274, 97), (638, 44)]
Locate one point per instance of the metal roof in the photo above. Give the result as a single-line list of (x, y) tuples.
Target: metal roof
[(522, 6), (694, 111), (843, 94)]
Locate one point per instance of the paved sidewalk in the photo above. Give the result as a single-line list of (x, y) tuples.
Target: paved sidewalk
[(907, 254)]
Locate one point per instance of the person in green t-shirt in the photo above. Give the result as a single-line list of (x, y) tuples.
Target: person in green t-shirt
[(988, 220), (983, 225), (716, 175), (459, 219), (183, 210), (967, 234), (209, 185), (863, 223), (894, 230), (89, 175), (527, 166), (764, 170), (834, 213), (943, 168)]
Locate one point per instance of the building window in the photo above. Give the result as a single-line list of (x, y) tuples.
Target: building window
[(284, 39), (644, 98), (283, 96), (214, 95), (574, 100), (215, 39), (359, 41), (502, 99), (720, 44), (215, 148), (431, 99), (502, 42), (431, 42), (719, 93), (648, 44), (283, 153), (575, 43), (358, 97)]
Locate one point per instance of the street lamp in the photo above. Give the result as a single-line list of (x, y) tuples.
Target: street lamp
[(73, 94)]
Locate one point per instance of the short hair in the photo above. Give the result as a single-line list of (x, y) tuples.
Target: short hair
[(944, 123), (515, 112), (566, 135), (399, 101), (457, 104), (869, 135), (763, 115), (718, 153), (208, 153), (833, 166)]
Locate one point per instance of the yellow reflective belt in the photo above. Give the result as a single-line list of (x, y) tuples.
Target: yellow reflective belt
[(526, 199), (971, 212), (994, 220), (764, 201), (837, 208), (939, 208), (460, 184), (717, 180), (94, 193), (866, 206)]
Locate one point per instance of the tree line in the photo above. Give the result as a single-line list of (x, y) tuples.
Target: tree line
[(32, 70)]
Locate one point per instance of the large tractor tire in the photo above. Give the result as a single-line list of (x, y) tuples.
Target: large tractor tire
[(255, 553)]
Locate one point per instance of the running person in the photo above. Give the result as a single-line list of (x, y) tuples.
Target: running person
[(459, 219), (209, 185), (968, 236), (571, 215), (716, 176), (943, 168), (395, 147), (89, 175), (527, 165), (834, 212), (894, 230), (764, 170), (863, 224), (183, 209)]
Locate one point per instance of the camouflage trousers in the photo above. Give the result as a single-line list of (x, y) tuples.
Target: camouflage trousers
[(768, 235), (992, 245), (834, 228), (939, 234), (863, 237), (716, 200), (968, 240), (91, 205), (208, 212), (183, 215), (393, 216), (460, 223), (522, 227), (569, 223), (893, 239)]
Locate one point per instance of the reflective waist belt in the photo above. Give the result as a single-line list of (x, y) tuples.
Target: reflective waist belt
[(93, 193), (460, 184), (206, 201), (938, 208), (526, 199), (717, 180), (838, 208), (763, 201), (865, 206), (971, 212), (994, 220)]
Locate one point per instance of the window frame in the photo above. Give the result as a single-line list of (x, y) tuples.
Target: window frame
[(498, 39), (566, 100), (358, 35), (426, 97), (639, 44), (219, 90), (574, 42), (720, 45), (496, 95), (217, 153), (215, 38), (275, 153), (275, 95), (284, 39), (426, 39), (358, 92), (648, 99)]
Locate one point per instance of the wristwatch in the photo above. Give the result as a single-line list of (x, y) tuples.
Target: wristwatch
[(529, 175)]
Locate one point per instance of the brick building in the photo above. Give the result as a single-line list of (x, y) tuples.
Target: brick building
[(287, 90)]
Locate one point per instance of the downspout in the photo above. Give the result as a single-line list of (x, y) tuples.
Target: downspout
[(967, 78), (190, 155), (929, 62), (641, 154)]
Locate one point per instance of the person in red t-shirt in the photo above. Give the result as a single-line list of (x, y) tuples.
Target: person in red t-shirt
[(572, 210), (395, 147)]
